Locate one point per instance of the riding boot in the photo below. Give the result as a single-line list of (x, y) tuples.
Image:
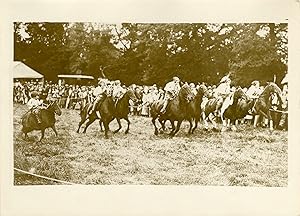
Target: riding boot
[(164, 108), (39, 121), (96, 102)]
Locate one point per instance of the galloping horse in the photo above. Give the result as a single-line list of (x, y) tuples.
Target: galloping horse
[(263, 104), (122, 108), (194, 108), (239, 108), (177, 110), (211, 110), (109, 110), (30, 123)]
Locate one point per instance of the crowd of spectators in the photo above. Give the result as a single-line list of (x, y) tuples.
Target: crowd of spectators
[(74, 96)]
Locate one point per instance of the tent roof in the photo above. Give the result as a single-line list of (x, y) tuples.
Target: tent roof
[(75, 76), (21, 70)]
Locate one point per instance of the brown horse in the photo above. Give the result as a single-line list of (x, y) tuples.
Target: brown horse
[(47, 116), (239, 108), (177, 110), (122, 108), (262, 106), (194, 108), (211, 111), (109, 110)]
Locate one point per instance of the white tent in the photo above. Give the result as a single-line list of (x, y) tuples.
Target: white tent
[(22, 71)]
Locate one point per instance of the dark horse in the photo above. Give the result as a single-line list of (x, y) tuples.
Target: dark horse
[(194, 108), (239, 108), (47, 116), (263, 105), (211, 110), (177, 110), (122, 108), (108, 111)]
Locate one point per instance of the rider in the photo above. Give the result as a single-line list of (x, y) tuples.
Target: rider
[(99, 96), (222, 92), (254, 90), (34, 105), (118, 91), (172, 89)]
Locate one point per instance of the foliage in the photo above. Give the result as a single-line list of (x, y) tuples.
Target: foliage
[(146, 53)]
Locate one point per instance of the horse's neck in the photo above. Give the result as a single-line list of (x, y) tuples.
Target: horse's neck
[(124, 99), (181, 101), (50, 111)]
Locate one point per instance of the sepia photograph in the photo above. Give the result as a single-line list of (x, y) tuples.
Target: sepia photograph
[(145, 107), (150, 104)]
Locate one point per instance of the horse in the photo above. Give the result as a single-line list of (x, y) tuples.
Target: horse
[(177, 110), (238, 109), (194, 108), (210, 110), (30, 123), (122, 108), (109, 110), (263, 104)]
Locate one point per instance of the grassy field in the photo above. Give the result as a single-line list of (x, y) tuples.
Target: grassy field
[(247, 157)]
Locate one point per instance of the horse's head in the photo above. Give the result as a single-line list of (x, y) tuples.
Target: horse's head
[(271, 89), (132, 95), (186, 93), (55, 107), (240, 94), (202, 90), (275, 101)]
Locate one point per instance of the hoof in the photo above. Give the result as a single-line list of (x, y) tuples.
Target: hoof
[(215, 130), (116, 131), (126, 132), (156, 133)]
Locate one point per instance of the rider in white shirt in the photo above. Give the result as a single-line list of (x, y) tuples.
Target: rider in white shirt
[(172, 89), (99, 96), (118, 90), (34, 105), (254, 90)]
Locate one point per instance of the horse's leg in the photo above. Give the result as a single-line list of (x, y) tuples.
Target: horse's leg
[(100, 124), (155, 128), (177, 127), (205, 121), (211, 118), (128, 123), (106, 127), (234, 123), (120, 126), (191, 126), (54, 129), (162, 123), (173, 127), (43, 133), (256, 117), (80, 123), (196, 124), (90, 121)]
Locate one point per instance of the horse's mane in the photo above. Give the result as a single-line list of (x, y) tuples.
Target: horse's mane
[(270, 84)]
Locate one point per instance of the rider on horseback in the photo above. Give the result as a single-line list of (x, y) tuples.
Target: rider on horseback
[(254, 90), (34, 105), (118, 91), (172, 89), (222, 92), (99, 95)]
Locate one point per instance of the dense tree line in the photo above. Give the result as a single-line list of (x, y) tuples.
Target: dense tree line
[(153, 53)]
